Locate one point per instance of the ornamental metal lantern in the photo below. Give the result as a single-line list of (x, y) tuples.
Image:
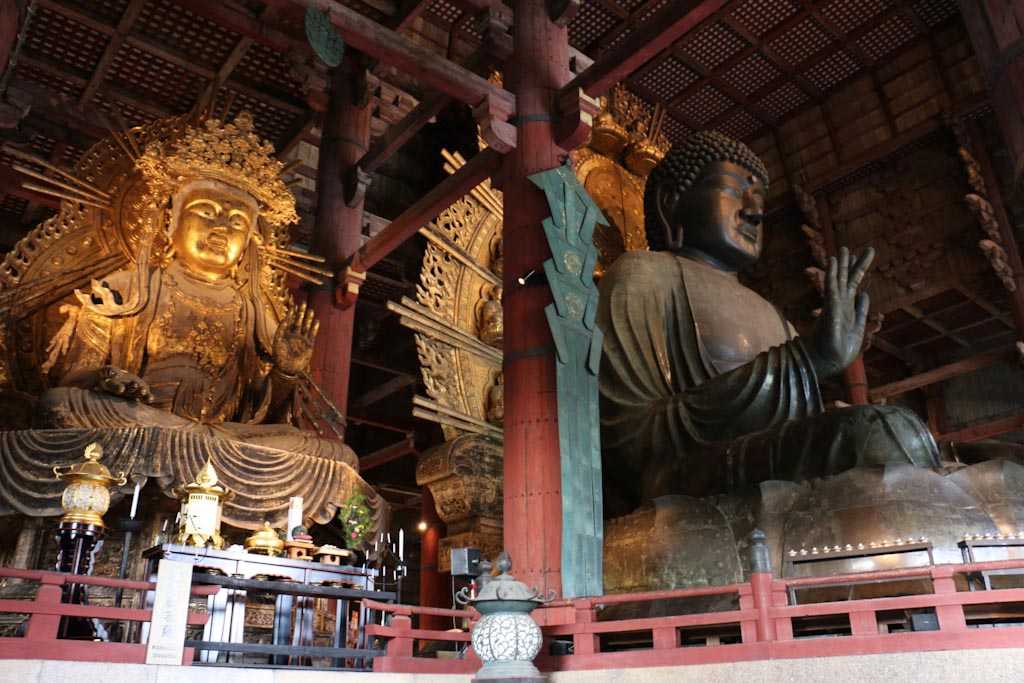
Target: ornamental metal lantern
[(86, 497), (199, 521), (506, 639)]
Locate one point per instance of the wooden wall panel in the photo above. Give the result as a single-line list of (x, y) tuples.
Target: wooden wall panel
[(858, 117), (984, 395)]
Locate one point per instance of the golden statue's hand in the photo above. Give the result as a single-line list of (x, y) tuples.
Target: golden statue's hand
[(114, 380), (293, 342)]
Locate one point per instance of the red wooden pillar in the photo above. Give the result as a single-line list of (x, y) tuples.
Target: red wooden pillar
[(434, 588), (338, 229), (533, 501), (10, 16), (854, 377), (996, 28)]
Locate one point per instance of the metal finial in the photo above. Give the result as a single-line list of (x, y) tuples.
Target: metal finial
[(504, 562)]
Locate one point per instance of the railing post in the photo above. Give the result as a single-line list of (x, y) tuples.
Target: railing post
[(44, 626), (761, 584), (401, 646), (951, 617), (584, 643)]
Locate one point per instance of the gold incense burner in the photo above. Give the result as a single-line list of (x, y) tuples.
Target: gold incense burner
[(264, 541), (87, 494)]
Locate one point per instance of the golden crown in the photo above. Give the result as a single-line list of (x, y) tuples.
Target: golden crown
[(229, 152)]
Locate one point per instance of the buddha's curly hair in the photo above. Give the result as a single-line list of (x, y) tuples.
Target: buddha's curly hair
[(683, 163)]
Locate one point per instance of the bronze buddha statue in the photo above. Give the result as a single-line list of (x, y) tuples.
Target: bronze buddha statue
[(197, 350), (704, 385)]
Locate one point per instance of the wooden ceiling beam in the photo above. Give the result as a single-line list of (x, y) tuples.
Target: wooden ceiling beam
[(61, 71), (643, 43), (646, 93), (400, 133), (117, 38), (407, 13), (382, 391), (379, 42), (907, 357), (426, 209), (782, 28), (943, 373), (941, 329), (986, 306), (182, 60), (241, 21), (986, 430), (393, 452), (296, 132), (796, 72)]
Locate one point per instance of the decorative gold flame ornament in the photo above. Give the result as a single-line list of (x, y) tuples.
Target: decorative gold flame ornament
[(87, 495), (199, 522)]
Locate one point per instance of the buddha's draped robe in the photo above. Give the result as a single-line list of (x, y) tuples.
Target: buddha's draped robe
[(672, 422)]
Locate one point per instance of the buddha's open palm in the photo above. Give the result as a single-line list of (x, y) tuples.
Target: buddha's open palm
[(293, 342), (838, 334)]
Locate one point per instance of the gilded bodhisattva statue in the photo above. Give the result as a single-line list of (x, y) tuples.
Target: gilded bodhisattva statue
[(197, 342)]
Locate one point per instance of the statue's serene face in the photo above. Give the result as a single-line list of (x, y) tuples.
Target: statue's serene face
[(213, 225), (722, 214)]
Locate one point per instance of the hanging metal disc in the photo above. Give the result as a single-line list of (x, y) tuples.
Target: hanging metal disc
[(323, 37)]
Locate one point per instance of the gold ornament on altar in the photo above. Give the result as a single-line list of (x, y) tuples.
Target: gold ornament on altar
[(87, 494), (265, 541), (199, 522)]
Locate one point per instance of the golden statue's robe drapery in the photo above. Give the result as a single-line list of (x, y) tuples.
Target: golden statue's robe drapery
[(674, 423), (210, 390)]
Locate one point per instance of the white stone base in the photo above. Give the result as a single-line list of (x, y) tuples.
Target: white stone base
[(961, 666)]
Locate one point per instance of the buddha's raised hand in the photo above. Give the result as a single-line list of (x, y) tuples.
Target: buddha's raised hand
[(836, 337), (293, 342)]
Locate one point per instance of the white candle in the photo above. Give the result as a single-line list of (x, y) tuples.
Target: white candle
[(135, 500), (401, 544)]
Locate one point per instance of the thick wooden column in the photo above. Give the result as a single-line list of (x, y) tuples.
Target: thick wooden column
[(854, 377), (434, 588), (336, 234), (996, 28), (533, 501)]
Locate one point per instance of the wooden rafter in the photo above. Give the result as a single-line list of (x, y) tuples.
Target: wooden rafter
[(945, 372), (645, 42), (177, 57), (131, 13)]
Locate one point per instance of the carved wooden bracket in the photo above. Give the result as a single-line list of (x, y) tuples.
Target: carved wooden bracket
[(494, 23), (577, 110), (356, 180), (563, 11), (346, 289), (492, 117)]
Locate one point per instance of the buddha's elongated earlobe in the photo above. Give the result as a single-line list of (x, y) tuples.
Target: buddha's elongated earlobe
[(666, 199)]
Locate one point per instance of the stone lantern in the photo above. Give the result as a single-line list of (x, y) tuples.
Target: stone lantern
[(506, 639)]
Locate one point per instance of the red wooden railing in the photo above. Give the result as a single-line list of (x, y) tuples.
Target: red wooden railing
[(763, 624), (46, 611)]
